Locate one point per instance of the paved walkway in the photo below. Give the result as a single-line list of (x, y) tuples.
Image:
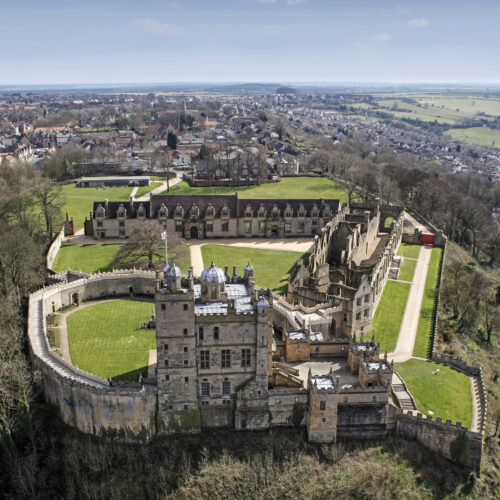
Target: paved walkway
[(157, 190), (283, 244), (409, 325), (415, 223)]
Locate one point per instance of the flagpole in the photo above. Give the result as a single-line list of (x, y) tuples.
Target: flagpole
[(166, 248)]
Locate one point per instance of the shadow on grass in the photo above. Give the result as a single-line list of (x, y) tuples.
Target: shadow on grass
[(132, 376)]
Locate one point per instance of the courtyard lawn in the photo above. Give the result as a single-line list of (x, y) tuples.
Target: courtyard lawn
[(424, 331), (99, 257), (86, 258), (146, 189), (446, 393), (79, 201), (271, 267), (107, 340), (389, 314), (409, 250), (407, 270), (288, 187)]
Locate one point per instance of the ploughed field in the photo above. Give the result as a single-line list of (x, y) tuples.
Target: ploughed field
[(106, 339)]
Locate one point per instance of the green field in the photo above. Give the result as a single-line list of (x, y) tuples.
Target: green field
[(446, 393), (147, 189), (407, 270), (389, 314), (86, 258), (483, 136), (79, 201), (99, 257), (271, 267), (409, 250), (107, 340), (428, 303), (288, 187)]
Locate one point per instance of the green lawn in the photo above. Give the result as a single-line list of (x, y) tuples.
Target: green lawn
[(79, 201), (271, 267), (407, 270), (389, 314), (86, 258), (424, 330), (483, 136), (107, 339), (288, 187), (146, 189), (409, 250), (99, 257), (446, 393)]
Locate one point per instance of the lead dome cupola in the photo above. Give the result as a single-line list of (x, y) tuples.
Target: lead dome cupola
[(172, 271), (213, 274)]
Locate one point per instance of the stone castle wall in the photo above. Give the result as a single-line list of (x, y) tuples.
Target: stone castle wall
[(89, 403)]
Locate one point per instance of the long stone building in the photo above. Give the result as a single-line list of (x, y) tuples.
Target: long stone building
[(206, 216)]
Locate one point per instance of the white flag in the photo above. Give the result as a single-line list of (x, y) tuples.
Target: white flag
[(164, 235)]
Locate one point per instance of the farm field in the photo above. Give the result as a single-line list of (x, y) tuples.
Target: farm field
[(446, 393), (483, 136), (119, 348), (428, 304), (271, 267), (389, 314), (288, 187)]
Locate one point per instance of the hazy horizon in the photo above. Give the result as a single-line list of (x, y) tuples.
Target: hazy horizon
[(241, 41)]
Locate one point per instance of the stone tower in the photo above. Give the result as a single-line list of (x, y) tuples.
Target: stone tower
[(176, 353)]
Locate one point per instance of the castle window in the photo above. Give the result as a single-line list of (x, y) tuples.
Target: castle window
[(99, 224), (226, 388), (165, 362), (186, 381), (122, 233), (226, 358), (262, 227), (185, 307), (205, 389), (167, 377), (200, 333), (358, 302), (210, 227), (162, 307), (358, 316), (216, 333), (248, 227), (322, 405), (367, 299), (323, 420), (204, 360), (213, 293), (314, 222), (178, 226), (301, 227), (121, 223), (185, 407), (288, 227), (245, 358), (165, 347), (186, 362), (170, 407), (185, 349), (185, 331), (367, 312), (225, 226)]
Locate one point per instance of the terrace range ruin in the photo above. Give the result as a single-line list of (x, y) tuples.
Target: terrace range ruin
[(230, 354)]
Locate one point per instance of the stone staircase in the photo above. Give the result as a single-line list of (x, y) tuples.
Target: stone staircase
[(402, 394)]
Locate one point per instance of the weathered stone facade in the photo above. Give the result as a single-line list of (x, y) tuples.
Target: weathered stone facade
[(206, 216)]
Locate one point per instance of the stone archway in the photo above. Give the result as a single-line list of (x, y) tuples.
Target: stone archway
[(193, 232)]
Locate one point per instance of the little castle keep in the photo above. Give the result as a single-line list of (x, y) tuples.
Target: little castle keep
[(231, 354)]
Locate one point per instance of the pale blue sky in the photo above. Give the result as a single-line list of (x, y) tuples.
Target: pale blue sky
[(108, 41)]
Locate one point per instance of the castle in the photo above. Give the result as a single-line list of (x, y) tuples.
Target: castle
[(230, 354)]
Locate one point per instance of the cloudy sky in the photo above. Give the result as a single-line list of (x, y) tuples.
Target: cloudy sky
[(109, 41)]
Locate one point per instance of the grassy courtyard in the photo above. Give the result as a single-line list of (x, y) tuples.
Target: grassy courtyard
[(272, 267), (407, 270), (446, 393), (288, 187), (389, 314), (99, 257), (428, 304), (409, 250), (147, 189), (86, 258), (79, 201), (107, 340)]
